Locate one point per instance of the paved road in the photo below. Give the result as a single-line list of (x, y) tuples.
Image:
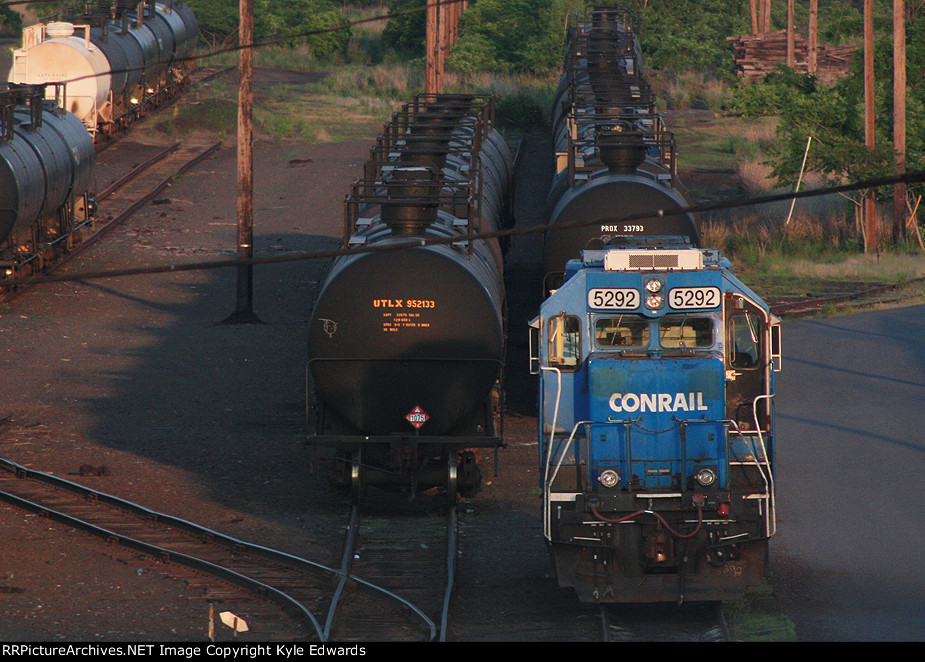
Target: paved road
[(849, 559)]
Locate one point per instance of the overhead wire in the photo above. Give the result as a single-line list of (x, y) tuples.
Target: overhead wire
[(912, 177), (257, 44), (909, 177)]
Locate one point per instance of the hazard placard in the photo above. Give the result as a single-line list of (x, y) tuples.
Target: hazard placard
[(417, 417)]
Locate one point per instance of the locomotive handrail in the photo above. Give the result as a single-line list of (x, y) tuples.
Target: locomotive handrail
[(547, 524), (547, 533), (771, 515), (768, 479)]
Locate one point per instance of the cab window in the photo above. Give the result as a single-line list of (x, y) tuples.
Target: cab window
[(744, 335), (625, 331), (685, 332), (564, 341)]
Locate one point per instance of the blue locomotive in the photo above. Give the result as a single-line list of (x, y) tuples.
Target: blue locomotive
[(656, 424), (656, 366)]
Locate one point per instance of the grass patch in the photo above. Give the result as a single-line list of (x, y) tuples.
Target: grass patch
[(211, 108), (757, 618), (295, 102)]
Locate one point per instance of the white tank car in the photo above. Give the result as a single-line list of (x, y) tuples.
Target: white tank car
[(62, 51), (112, 66)]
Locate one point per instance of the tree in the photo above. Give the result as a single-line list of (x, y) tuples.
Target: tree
[(10, 21), (833, 115), (495, 35), (275, 20)]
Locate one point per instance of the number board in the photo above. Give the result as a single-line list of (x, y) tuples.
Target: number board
[(687, 298), (611, 298)]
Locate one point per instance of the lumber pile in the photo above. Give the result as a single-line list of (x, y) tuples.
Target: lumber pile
[(759, 54)]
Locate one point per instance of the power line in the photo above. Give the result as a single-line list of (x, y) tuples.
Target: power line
[(912, 177)]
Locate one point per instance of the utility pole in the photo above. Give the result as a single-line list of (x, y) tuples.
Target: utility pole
[(899, 117), (441, 27), (870, 200), (791, 46), (431, 46), (244, 309), (813, 39)]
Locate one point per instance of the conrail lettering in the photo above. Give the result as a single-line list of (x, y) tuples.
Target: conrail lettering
[(657, 402)]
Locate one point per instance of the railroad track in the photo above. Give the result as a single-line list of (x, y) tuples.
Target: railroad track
[(385, 589), (274, 591), (868, 297), (117, 203), (410, 559), (661, 622)]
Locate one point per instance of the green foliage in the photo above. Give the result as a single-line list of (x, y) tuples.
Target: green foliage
[(526, 35), (495, 35), (521, 109), (472, 53), (834, 116), (10, 21), (218, 19), (404, 31), (689, 35), (275, 20)]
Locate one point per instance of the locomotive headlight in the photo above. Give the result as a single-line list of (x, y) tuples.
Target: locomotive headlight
[(609, 478), (654, 285), (705, 477), (654, 301)]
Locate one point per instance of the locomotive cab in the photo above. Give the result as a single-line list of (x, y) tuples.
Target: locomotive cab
[(655, 424)]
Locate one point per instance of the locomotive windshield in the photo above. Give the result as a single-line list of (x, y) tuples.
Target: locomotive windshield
[(685, 332), (634, 331), (623, 331)]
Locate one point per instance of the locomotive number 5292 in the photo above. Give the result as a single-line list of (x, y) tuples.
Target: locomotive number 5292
[(611, 298), (681, 298)]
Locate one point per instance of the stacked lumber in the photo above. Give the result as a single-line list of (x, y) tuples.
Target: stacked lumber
[(757, 55)]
